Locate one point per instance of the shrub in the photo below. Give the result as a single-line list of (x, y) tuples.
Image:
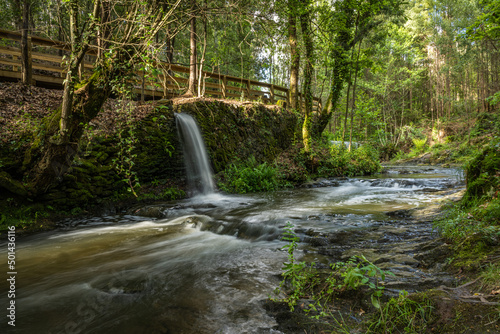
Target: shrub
[(420, 144), (341, 162), (250, 177)]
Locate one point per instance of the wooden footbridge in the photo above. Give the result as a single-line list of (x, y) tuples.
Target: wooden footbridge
[(46, 59)]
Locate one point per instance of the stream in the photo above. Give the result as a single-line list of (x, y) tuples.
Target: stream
[(206, 264)]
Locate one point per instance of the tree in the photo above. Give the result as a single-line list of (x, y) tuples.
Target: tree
[(341, 23), (192, 55), (83, 99), (305, 23), (26, 44), (294, 54)]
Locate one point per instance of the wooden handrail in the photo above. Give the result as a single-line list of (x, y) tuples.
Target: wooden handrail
[(170, 85)]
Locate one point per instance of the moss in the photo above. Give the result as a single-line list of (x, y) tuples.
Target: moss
[(451, 315), (237, 132), (483, 173)]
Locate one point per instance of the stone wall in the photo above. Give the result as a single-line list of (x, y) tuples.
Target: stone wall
[(231, 131)]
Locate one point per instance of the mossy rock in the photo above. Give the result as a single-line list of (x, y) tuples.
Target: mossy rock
[(483, 173)]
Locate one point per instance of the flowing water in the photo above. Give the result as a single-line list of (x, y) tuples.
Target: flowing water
[(199, 174), (206, 264)]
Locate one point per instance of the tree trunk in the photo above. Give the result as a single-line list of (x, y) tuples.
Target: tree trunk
[(201, 81), (103, 29), (294, 54), (308, 73), (192, 55), (26, 45), (354, 95), (48, 162)]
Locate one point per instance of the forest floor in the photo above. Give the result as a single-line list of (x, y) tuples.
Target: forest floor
[(23, 107)]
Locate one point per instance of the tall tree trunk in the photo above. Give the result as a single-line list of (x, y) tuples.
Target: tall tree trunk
[(192, 55), (347, 98), (26, 45), (48, 163), (353, 109), (201, 81), (170, 45), (76, 58), (294, 54), (103, 29), (308, 73), (341, 46)]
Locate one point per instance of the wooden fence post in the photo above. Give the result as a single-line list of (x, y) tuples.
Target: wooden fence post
[(26, 60), (143, 85), (224, 84), (272, 94), (248, 89)]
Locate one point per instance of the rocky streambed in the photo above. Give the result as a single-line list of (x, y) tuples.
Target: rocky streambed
[(208, 264)]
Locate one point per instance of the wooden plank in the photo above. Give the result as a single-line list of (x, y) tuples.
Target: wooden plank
[(213, 92), (258, 92), (10, 74), (281, 89), (38, 56), (224, 87), (233, 95), (233, 88), (213, 85)]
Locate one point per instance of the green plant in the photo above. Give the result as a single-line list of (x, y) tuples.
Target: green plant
[(125, 160), (402, 314), (295, 274), (420, 144), (358, 272), (250, 177), (300, 279), (490, 275)]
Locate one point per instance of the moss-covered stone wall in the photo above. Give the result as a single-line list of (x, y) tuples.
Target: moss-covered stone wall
[(148, 148), (233, 131)]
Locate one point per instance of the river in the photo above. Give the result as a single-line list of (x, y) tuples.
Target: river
[(206, 264)]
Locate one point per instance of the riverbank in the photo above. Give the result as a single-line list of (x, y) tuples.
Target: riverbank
[(428, 293)]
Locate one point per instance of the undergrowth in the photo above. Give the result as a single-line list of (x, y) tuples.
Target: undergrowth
[(402, 315), (23, 216), (472, 226), (250, 176), (303, 281)]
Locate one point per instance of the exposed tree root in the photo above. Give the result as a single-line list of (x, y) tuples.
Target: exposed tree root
[(464, 295)]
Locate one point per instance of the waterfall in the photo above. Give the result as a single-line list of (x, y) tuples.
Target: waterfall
[(199, 173)]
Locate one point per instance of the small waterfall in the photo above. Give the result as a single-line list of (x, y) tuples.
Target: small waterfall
[(199, 173)]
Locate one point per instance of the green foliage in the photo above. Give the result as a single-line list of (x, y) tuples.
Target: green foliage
[(402, 315), (486, 123), (473, 225), (483, 173), (490, 275), (250, 177), (167, 194), (125, 160), (23, 216), (420, 144), (296, 275), (301, 280), (339, 161)]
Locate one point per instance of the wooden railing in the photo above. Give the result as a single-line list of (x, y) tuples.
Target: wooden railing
[(47, 59)]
